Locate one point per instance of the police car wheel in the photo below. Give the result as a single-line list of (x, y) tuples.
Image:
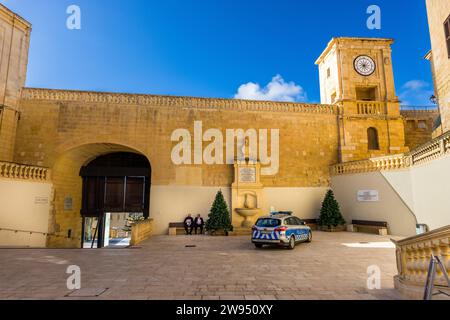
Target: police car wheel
[(258, 245), (309, 237), (291, 243)]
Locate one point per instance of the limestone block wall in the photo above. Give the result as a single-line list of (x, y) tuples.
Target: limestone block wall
[(14, 44), (438, 12), (355, 147), (418, 126), (64, 130)]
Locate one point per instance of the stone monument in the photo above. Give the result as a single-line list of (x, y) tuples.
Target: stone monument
[(246, 191)]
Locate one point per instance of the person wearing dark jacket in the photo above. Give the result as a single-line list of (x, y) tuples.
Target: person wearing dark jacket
[(188, 224), (199, 223)]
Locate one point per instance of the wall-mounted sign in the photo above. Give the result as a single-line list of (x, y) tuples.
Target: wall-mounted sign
[(68, 204), (247, 175), (368, 196), (41, 200)]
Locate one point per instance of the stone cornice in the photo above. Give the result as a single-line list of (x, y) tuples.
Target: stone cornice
[(353, 40), (12, 17), (173, 101)]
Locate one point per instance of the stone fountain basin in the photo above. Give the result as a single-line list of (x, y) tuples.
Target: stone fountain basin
[(245, 212)]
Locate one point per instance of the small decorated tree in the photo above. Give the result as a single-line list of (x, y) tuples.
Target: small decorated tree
[(330, 214), (219, 216)]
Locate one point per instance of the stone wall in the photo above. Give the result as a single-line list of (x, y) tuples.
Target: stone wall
[(14, 43), (24, 212), (419, 126), (64, 130), (438, 12)]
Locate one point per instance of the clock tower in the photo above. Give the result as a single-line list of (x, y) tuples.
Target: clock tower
[(356, 74)]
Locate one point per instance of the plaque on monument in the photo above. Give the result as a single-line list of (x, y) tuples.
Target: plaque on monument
[(247, 175)]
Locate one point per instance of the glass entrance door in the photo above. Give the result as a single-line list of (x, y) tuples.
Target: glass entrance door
[(91, 232)]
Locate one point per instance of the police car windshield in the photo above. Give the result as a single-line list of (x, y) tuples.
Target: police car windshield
[(268, 223)]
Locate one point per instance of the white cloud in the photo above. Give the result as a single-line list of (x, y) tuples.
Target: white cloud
[(276, 90), (416, 93)]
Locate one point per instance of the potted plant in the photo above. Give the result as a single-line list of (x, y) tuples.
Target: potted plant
[(219, 222), (330, 215)]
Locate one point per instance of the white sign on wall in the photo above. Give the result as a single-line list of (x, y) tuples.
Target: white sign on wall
[(368, 196), (68, 204), (41, 200)]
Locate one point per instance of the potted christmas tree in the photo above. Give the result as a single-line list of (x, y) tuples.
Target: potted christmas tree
[(330, 215), (219, 222)]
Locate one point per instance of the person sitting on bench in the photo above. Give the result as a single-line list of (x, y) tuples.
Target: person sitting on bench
[(188, 224), (199, 223)]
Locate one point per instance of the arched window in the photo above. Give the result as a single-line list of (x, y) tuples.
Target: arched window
[(372, 138)]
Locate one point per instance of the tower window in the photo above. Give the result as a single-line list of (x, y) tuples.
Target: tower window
[(372, 138), (328, 72), (422, 124), (366, 94), (447, 34)]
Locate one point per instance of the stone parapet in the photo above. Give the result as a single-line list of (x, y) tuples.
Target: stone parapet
[(174, 101), (140, 231), (413, 259)]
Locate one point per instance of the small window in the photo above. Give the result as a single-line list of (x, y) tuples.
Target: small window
[(328, 72), (366, 93), (290, 222), (422, 124), (447, 34), (411, 124), (372, 138)]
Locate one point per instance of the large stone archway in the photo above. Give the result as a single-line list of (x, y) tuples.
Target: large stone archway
[(65, 221)]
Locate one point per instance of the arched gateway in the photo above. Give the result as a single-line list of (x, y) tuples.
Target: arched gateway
[(116, 189)]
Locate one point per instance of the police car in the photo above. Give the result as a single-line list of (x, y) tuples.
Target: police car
[(280, 228)]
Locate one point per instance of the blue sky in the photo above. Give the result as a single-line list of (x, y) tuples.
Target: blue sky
[(210, 48)]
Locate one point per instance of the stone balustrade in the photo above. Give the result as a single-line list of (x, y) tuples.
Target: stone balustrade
[(374, 164), (23, 172), (370, 107), (434, 149), (175, 101), (140, 231), (413, 259)]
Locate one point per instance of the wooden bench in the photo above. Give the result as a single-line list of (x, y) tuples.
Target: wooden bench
[(177, 228), (377, 227)]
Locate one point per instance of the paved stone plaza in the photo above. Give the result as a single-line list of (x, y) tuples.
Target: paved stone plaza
[(333, 266)]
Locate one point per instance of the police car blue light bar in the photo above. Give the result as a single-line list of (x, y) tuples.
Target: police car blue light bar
[(289, 213)]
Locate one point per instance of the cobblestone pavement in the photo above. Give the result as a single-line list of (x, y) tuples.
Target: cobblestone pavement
[(333, 266)]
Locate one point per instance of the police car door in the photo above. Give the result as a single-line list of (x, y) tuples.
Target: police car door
[(293, 228), (302, 229)]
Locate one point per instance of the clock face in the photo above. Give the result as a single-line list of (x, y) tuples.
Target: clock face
[(364, 65)]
